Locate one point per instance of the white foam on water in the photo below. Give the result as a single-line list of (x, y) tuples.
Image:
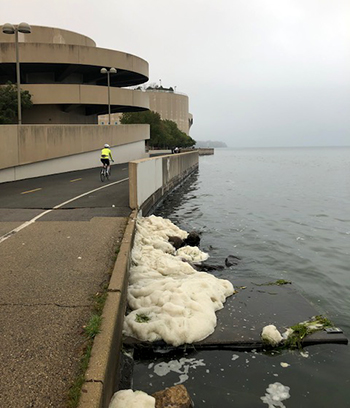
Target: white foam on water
[(181, 367), (192, 254), (132, 399), (275, 394), (169, 299), (271, 335), (285, 365)]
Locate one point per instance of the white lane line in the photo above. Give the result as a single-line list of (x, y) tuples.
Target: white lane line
[(24, 225)]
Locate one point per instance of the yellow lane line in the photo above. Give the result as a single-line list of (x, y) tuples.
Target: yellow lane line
[(31, 191), (73, 181)]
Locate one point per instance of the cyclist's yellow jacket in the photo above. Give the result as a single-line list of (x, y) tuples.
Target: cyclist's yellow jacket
[(106, 153)]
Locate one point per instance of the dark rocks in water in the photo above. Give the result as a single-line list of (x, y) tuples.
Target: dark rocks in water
[(176, 242), (193, 239), (232, 260), (176, 396), (207, 267), (204, 267)]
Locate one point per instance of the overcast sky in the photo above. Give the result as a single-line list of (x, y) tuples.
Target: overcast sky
[(257, 72)]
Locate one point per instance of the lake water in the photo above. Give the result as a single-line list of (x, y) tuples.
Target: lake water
[(286, 214)]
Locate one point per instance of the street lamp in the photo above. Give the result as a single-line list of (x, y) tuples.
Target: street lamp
[(10, 29), (108, 72)]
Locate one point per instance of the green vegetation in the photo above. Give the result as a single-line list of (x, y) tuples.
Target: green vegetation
[(90, 331), (8, 103), (164, 134), (75, 390), (301, 330), (142, 318), (93, 327), (278, 282)]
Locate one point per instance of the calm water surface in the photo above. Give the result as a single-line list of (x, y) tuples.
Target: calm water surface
[(286, 214)]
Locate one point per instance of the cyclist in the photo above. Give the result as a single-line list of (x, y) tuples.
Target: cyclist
[(106, 154)]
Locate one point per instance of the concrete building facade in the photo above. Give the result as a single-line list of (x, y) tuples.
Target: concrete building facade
[(169, 104), (62, 71)]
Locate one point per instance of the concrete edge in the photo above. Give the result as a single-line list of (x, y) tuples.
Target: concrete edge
[(101, 376), (156, 199)]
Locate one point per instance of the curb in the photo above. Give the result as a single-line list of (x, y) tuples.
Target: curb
[(102, 374)]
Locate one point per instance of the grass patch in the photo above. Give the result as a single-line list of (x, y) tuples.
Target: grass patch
[(90, 331), (93, 327), (75, 390)]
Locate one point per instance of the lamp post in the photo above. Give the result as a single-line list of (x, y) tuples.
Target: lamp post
[(108, 72), (11, 29)]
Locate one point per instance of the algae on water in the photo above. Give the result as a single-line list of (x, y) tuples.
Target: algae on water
[(142, 318), (294, 336)]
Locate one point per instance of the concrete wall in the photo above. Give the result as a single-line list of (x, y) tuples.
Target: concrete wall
[(54, 96), (172, 106), (151, 179), (51, 35), (32, 151)]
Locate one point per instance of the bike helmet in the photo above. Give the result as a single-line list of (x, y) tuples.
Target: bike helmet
[(107, 145)]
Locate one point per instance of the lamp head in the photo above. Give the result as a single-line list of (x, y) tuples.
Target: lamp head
[(103, 71), (24, 28), (8, 28), (113, 71)]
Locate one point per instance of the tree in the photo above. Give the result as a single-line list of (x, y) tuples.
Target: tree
[(163, 133), (8, 103)]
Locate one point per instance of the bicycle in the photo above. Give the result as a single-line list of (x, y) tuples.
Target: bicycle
[(104, 173)]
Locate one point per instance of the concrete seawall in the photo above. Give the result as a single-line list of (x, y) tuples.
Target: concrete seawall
[(150, 180)]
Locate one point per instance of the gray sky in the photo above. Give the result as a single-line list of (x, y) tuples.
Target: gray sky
[(257, 72)]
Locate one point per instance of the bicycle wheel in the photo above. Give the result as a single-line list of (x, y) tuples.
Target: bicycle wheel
[(102, 174)]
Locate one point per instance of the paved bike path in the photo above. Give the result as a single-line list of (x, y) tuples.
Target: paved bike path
[(49, 272)]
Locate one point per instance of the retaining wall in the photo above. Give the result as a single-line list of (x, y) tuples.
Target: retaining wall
[(37, 150), (150, 180)]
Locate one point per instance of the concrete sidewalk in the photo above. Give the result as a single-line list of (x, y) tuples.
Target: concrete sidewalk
[(49, 274)]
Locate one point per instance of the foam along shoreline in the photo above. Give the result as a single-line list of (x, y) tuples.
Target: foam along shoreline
[(169, 299)]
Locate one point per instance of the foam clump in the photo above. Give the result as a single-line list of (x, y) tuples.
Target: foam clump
[(169, 299), (132, 399), (271, 335), (275, 394), (192, 254)]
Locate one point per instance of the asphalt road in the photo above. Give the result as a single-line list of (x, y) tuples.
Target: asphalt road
[(50, 268)]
